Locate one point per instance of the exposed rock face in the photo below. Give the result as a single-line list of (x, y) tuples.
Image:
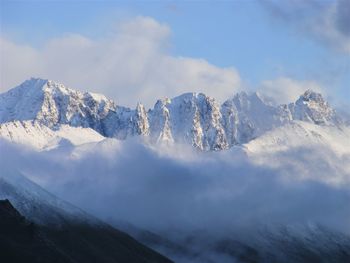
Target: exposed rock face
[(191, 118)]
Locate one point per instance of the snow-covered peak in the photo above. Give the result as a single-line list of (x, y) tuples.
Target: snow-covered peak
[(188, 97), (191, 118), (247, 116), (244, 101), (60, 89), (312, 107), (310, 95), (23, 101), (53, 104), (52, 86)]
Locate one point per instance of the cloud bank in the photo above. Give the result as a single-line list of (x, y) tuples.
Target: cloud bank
[(186, 190), (132, 63)]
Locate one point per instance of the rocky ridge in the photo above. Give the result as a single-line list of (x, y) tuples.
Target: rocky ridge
[(191, 118)]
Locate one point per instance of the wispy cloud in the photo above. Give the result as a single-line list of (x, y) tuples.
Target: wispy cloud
[(324, 21)]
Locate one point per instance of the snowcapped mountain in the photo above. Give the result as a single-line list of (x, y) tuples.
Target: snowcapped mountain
[(38, 110), (305, 139), (311, 107), (53, 104)]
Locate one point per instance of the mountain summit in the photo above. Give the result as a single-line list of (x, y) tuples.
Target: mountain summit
[(52, 104), (191, 118), (312, 107)]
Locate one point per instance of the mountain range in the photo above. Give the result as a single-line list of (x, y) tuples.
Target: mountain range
[(303, 140), (41, 111)]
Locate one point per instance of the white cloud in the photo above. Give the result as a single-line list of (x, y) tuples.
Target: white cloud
[(17, 62), (131, 64), (285, 90)]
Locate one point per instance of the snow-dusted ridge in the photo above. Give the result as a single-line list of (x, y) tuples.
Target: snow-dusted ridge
[(37, 204), (43, 111)]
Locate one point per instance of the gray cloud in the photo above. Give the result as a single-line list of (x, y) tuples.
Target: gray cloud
[(324, 21), (127, 181), (343, 16)]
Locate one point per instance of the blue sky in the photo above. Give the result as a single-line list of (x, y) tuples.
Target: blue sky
[(249, 36)]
